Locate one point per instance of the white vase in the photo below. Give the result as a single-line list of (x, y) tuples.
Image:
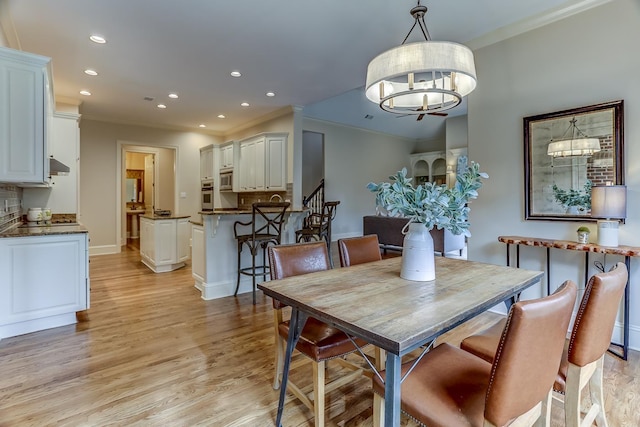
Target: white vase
[(418, 262)]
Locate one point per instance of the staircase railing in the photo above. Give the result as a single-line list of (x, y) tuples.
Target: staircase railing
[(315, 200)]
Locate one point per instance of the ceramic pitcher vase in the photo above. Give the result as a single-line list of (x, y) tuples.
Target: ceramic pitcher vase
[(418, 261)]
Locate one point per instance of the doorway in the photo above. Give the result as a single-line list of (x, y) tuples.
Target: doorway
[(312, 161), (150, 170)]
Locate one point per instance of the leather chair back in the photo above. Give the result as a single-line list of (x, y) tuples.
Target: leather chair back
[(358, 250), (596, 316), (297, 259), (528, 357)]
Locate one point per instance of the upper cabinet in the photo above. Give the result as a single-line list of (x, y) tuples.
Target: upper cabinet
[(226, 156), (206, 162), (26, 108), (262, 163)]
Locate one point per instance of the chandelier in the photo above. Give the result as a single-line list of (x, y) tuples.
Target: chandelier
[(577, 144), (422, 77)]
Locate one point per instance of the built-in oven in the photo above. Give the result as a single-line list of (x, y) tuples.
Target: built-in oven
[(225, 182), (207, 195)]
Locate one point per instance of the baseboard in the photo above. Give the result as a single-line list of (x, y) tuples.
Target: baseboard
[(221, 289), (104, 250)]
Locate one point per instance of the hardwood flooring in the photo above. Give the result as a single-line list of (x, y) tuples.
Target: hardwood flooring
[(150, 352)]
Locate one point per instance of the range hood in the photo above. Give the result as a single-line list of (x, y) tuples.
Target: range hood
[(57, 168)]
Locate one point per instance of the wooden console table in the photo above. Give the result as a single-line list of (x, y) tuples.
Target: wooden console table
[(626, 251)]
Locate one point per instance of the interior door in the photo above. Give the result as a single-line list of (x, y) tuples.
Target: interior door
[(149, 184)]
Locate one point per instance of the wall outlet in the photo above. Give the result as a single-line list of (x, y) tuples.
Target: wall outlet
[(183, 194)]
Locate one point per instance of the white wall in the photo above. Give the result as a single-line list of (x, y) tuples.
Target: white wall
[(98, 165), (582, 60), (457, 132), (353, 158)]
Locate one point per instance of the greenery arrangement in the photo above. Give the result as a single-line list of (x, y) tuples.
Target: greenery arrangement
[(571, 197), (430, 204), (583, 229)]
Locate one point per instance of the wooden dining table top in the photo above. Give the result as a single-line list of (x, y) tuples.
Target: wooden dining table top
[(373, 302)]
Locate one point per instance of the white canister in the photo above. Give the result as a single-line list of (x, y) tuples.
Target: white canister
[(34, 214), (418, 262)]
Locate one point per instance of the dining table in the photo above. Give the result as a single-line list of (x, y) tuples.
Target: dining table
[(372, 302)]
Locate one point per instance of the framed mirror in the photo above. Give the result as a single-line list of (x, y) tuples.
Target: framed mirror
[(567, 152)]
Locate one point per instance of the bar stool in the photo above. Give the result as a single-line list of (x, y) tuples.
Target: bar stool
[(266, 223), (317, 226)]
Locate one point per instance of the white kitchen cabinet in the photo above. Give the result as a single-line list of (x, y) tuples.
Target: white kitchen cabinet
[(44, 281), (164, 242), (26, 106), (262, 165), (206, 162), (226, 156)]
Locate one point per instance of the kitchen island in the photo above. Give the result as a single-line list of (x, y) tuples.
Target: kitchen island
[(164, 241), (45, 277), (215, 250)]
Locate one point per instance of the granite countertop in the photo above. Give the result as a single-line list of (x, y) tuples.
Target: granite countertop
[(244, 211), (46, 230), (161, 217)]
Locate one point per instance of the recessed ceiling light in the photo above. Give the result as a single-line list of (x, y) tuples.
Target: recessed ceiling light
[(236, 73), (173, 95), (91, 72), (97, 39), (221, 116), (244, 104), (270, 94), (162, 106), (202, 125), (85, 93)]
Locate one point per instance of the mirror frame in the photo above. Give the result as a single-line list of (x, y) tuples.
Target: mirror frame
[(531, 126)]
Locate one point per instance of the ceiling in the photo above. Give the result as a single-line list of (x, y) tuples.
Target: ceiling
[(312, 55)]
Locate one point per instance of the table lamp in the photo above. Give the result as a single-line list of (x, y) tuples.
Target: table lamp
[(609, 205)]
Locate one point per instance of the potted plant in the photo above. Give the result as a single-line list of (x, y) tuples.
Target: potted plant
[(583, 234), (574, 201), (427, 206)]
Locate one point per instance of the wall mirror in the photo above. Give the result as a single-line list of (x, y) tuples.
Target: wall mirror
[(565, 153)]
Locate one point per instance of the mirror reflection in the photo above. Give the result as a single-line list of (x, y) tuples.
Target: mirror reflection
[(568, 152)]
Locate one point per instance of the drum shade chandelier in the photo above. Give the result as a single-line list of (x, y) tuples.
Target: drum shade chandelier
[(577, 144), (421, 77)]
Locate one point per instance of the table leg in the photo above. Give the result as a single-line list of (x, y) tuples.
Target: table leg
[(548, 271), (298, 319), (392, 391)]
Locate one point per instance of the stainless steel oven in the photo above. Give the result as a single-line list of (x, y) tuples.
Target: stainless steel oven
[(226, 181), (206, 196)]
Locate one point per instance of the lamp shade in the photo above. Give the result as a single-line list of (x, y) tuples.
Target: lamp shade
[(429, 75), (609, 201), (574, 147)]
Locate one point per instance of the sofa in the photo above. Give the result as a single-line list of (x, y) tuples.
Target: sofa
[(389, 231)]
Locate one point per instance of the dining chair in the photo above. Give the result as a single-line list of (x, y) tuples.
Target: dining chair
[(267, 219), (317, 226), (583, 356), (358, 250), (319, 342), (449, 387)]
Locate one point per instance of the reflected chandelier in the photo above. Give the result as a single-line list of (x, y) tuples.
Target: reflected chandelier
[(422, 77), (577, 144)]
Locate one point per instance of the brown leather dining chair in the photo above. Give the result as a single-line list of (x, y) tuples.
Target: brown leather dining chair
[(265, 228), (449, 387), (358, 250), (583, 356), (318, 341)]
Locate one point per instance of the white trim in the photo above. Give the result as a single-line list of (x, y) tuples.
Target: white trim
[(536, 21), (103, 250)]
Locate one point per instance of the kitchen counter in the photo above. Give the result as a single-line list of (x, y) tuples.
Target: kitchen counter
[(43, 230), (245, 211), (214, 263), (161, 217)]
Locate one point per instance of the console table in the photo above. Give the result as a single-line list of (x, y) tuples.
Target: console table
[(626, 251)]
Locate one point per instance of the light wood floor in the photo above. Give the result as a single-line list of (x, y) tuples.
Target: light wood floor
[(150, 352)]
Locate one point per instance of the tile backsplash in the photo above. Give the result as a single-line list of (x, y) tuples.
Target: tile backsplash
[(10, 206)]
